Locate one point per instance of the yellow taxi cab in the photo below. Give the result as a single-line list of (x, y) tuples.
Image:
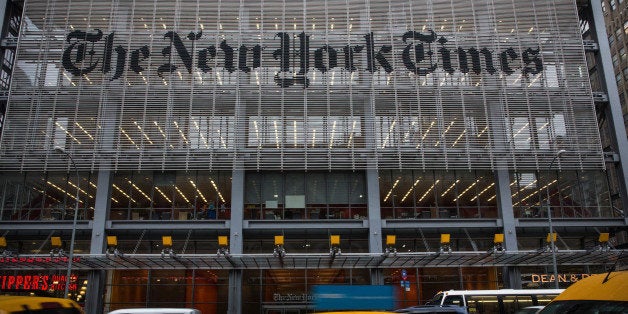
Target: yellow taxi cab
[(156, 311), (37, 305), (601, 293)]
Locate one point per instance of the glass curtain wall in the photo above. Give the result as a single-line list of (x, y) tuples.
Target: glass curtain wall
[(305, 195), (47, 195), (171, 195), (572, 194), (416, 194)]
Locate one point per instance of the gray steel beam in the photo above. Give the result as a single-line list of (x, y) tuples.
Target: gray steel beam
[(572, 223), (236, 240), (374, 221), (170, 224), (511, 275), (237, 211), (441, 223), (101, 212), (96, 278), (305, 224), (220, 226), (374, 213), (504, 201), (235, 291), (35, 225)]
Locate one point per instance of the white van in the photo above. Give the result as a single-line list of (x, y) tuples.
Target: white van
[(156, 311)]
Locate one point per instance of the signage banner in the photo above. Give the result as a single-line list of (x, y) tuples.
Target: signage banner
[(418, 53), (38, 282)]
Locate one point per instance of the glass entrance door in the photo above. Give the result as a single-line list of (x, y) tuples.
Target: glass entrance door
[(284, 309)]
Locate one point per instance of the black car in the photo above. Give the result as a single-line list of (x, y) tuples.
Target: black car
[(451, 309)]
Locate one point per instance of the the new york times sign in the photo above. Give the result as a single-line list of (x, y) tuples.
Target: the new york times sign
[(422, 54)]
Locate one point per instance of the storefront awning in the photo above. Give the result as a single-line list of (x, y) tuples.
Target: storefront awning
[(311, 261)]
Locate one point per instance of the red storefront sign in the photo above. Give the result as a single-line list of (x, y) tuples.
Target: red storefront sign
[(36, 282)]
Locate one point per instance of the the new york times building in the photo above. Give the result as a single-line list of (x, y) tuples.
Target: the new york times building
[(232, 155)]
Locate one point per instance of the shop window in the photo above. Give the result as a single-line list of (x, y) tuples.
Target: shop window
[(206, 290), (291, 291)]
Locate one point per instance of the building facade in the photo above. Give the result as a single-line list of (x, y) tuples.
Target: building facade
[(613, 31), (231, 156)]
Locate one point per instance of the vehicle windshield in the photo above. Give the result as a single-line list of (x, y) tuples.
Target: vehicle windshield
[(436, 300), (593, 307)]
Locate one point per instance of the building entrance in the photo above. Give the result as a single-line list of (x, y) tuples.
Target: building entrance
[(286, 309)]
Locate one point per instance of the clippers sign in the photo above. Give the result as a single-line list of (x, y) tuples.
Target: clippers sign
[(36, 282), (418, 53)]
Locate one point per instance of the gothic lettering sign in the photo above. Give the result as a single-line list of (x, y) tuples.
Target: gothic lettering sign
[(419, 53), (292, 297)]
